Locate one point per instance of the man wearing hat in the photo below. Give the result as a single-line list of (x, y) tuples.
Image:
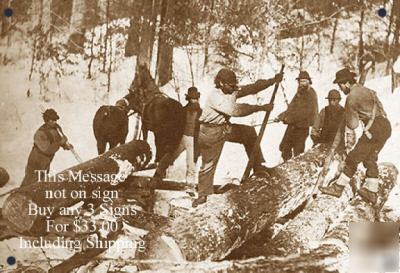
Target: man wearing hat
[(328, 121), (188, 141), (47, 141), (299, 116), (362, 104), (215, 127)]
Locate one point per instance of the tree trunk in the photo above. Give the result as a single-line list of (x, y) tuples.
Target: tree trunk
[(77, 37), (132, 44), (102, 9), (207, 40), (327, 256), (226, 221), (361, 39), (334, 34), (165, 46), (46, 15), (121, 161), (146, 34), (311, 224), (78, 15)]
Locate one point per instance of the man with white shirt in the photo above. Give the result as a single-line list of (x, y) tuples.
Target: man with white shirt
[(215, 127)]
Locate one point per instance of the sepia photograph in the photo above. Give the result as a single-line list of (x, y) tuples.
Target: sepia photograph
[(199, 136)]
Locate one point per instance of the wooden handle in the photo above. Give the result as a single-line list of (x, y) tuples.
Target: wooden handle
[(261, 133)]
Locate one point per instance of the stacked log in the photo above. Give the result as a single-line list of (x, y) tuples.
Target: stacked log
[(330, 255)]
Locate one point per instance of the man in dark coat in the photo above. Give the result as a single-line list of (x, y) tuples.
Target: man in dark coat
[(300, 115), (188, 141), (215, 127), (362, 104), (328, 121), (47, 141)]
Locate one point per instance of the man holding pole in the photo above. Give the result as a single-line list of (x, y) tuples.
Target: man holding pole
[(215, 127), (47, 141)]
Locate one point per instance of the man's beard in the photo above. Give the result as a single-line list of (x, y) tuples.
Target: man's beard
[(303, 87)]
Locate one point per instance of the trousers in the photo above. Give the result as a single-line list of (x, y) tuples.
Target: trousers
[(211, 142), (367, 149)]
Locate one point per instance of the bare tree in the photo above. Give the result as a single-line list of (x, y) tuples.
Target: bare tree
[(165, 43), (147, 33)]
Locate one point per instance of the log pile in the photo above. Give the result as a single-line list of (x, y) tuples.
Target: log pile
[(330, 255), (312, 223), (226, 221), (211, 231)]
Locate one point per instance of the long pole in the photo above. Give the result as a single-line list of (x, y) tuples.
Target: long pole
[(260, 134)]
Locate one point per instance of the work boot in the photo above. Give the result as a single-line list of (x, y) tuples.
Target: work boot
[(368, 191), (199, 201), (337, 187), (368, 196), (334, 190)]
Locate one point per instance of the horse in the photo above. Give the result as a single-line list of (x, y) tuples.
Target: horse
[(110, 126), (160, 114)]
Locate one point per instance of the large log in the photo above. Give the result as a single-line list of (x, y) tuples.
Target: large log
[(329, 255), (120, 161), (311, 224), (224, 222)]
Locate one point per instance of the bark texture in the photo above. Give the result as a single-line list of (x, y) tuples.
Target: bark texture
[(310, 225), (329, 255), (226, 221)]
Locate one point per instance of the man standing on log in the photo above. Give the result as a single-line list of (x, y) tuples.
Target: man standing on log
[(47, 141), (361, 104), (328, 121), (300, 116), (215, 127)]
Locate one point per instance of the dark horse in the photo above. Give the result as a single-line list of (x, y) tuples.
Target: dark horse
[(110, 125), (160, 114)]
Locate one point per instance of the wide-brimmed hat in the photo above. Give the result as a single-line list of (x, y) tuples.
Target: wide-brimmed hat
[(50, 114), (334, 94), (192, 93), (344, 75), (304, 75)]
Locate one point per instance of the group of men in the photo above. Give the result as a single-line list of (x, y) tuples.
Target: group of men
[(362, 104), (207, 130)]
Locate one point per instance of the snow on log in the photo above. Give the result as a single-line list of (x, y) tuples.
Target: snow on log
[(117, 163), (226, 221), (329, 255), (311, 224)]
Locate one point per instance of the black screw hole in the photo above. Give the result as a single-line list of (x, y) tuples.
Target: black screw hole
[(8, 12), (382, 12), (11, 260)]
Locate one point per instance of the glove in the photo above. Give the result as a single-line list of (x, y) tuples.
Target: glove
[(69, 146), (278, 77), (267, 107), (350, 139)]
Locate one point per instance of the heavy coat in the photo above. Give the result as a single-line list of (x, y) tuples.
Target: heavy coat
[(47, 141)]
